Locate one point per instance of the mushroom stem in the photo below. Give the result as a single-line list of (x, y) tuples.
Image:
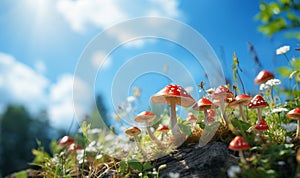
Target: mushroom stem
[(259, 114), (298, 130), (222, 107), (139, 145), (243, 160), (173, 120), (242, 113), (153, 137), (205, 117)]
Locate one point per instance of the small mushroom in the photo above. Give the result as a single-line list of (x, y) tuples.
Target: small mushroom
[(203, 105), (240, 101), (295, 115), (239, 144), (134, 132), (263, 76), (163, 130), (211, 112), (173, 95), (66, 141), (261, 125), (221, 95), (147, 117), (258, 102), (192, 119), (74, 147)]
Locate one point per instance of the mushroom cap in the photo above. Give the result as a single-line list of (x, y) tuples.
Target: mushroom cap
[(203, 104), (191, 118), (238, 144), (257, 102), (133, 131), (66, 140), (173, 93), (222, 92), (163, 128), (294, 114), (261, 125), (145, 116), (263, 76), (74, 147), (240, 99), (211, 113)]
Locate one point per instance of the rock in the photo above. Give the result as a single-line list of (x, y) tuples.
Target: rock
[(211, 160)]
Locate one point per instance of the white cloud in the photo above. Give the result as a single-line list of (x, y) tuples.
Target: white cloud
[(61, 107), (21, 84), (99, 58), (104, 13)]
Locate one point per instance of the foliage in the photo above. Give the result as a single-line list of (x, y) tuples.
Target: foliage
[(281, 15)]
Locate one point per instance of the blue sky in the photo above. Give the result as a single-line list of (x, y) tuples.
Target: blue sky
[(41, 42)]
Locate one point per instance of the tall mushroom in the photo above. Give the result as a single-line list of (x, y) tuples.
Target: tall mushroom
[(239, 144), (147, 117), (203, 105), (173, 95), (263, 76), (163, 130), (295, 115), (239, 101), (221, 95), (258, 102), (134, 132)]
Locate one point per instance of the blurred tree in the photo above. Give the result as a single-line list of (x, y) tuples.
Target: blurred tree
[(19, 132), (283, 15)]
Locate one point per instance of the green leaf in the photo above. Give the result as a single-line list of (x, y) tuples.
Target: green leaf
[(284, 71), (296, 63), (147, 165), (185, 128), (123, 166), (21, 174), (241, 125), (134, 164)]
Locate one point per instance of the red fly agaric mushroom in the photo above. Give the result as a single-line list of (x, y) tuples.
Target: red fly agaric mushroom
[(295, 114), (192, 119), (261, 125), (74, 147), (163, 130), (263, 76), (134, 132), (239, 144), (203, 105), (173, 95), (147, 117), (239, 101), (221, 95), (258, 102), (211, 113), (65, 141)]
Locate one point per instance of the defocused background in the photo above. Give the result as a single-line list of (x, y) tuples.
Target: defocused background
[(42, 40)]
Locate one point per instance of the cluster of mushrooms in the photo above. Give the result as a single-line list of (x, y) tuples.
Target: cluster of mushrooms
[(222, 97)]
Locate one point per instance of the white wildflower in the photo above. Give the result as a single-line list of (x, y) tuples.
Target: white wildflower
[(281, 163), (264, 87), (290, 127), (282, 50), (280, 109), (233, 170), (154, 172), (140, 174), (99, 156), (174, 175), (94, 131), (273, 82), (288, 139), (131, 99)]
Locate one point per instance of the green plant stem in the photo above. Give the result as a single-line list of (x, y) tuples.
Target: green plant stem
[(139, 146), (287, 59), (243, 87)]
